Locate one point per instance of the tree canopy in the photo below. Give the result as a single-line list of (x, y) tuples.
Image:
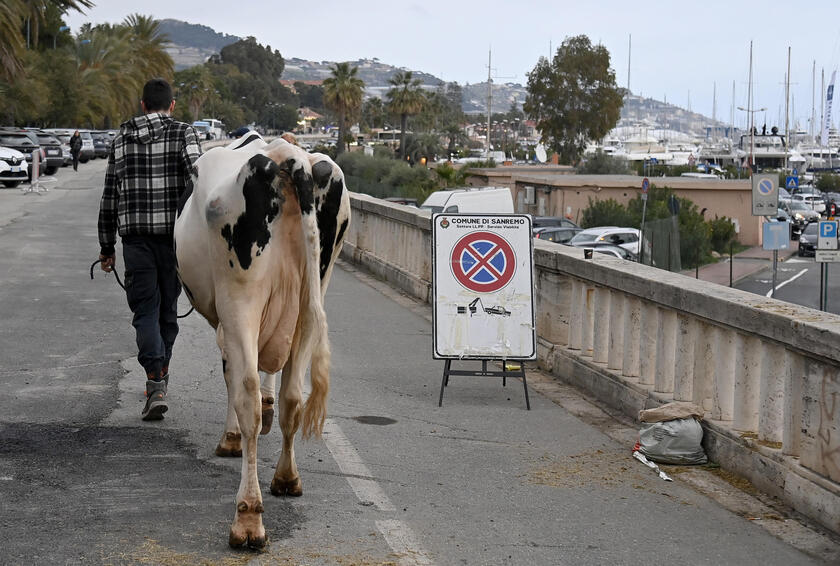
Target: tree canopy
[(404, 97), (574, 97), (343, 92)]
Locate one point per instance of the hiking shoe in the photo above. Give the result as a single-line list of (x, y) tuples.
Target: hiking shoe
[(155, 400)]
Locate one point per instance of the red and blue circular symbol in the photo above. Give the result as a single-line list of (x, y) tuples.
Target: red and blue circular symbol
[(483, 262)]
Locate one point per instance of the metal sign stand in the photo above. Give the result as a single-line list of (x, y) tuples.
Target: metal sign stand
[(484, 372)]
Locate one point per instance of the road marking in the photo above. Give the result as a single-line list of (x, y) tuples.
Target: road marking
[(783, 283), (396, 533)]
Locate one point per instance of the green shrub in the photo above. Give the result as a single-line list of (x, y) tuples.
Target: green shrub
[(602, 164), (722, 233), (606, 213), (828, 183)]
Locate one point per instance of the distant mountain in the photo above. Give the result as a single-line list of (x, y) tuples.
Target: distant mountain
[(192, 44)]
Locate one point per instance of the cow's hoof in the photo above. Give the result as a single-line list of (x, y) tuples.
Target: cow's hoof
[(286, 487), (230, 446), (267, 414), (247, 528)]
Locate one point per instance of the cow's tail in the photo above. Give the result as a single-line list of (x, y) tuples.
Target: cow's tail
[(315, 408)]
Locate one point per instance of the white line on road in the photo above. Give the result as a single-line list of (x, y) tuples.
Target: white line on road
[(783, 283), (396, 533)]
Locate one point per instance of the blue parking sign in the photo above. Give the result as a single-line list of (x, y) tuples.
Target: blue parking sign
[(828, 229)]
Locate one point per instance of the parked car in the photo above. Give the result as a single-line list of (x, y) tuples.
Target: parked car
[(88, 151), (407, 201), (808, 239), (627, 238), (784, 195), (800, 212), (13, 167), (239, 132), (814, 201), (101, 144), (468, 200), (21, 141), (796, 227), (53, 155), (610, 249), (556, 234), (544, 221)]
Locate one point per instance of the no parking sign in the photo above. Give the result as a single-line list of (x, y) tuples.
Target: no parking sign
[(482, 281)]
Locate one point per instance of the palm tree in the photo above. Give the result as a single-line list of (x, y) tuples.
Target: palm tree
[(148, 46), (13, 15), (343, 94), (405, 97), (12, 42)]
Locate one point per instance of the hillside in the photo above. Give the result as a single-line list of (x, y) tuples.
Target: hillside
[(192, 44)]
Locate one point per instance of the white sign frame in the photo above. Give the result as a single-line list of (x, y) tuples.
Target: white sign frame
[(483, 322), (765, 203), (827, 242)]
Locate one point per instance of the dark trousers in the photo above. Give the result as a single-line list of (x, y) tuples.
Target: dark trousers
[(75, 161), (152, 288)]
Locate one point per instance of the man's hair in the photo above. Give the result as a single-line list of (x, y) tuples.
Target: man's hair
[(157, 95)]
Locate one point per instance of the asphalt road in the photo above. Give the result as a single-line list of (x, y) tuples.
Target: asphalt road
[(798, 282), (396, 480)]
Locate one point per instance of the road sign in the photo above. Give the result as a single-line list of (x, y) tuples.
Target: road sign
[(776, 235), (827, 239), (645, 185), (827, 256), (483, 262), (653, 160), (765, 195), (795, 172), (792, 182), (482, 281)]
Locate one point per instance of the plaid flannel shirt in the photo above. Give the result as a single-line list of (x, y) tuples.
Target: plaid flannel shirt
[(149, 168)]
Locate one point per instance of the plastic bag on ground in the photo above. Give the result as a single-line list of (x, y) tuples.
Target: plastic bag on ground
[(677, 441)]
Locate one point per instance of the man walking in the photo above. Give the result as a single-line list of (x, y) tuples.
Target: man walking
[(149, 167)]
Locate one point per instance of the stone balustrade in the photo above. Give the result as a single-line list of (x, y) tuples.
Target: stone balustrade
[(766, 372)]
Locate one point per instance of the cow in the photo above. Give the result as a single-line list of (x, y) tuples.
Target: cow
[(256, 238)]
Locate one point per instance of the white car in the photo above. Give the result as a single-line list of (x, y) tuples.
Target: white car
[(627, 238), (13, 167), (814, 202)]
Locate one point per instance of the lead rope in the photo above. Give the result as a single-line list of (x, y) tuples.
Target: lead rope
[(117, 275)]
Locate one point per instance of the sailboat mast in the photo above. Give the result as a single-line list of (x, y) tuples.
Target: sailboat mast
[(813, 104), (714, 111), (787, 108), (750, 112), (629, 51), (732, 115), (489, 100)]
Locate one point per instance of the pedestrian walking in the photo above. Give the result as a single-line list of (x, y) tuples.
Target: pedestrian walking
[(75, 148), (150, 164)]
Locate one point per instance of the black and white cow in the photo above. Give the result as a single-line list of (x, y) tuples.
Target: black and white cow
[(256, 241)]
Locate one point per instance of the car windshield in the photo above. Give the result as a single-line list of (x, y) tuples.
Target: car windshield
[(798, 205), (585, 237), (47, 140), (812, 229), (7, 139)]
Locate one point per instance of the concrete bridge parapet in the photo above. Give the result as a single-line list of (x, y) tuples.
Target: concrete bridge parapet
[(766, 372)]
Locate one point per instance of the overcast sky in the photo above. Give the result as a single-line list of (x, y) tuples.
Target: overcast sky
[(680, 50)]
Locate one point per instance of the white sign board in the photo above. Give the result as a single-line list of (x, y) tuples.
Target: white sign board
[(827, 238), (765, 195), (827, 256), (482, 280)]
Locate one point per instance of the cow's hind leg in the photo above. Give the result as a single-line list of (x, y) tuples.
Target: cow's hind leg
[(286, 479), (244, 388), (267, 390), (230, 445)]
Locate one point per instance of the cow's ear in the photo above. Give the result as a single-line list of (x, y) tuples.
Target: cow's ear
[(298, 168)]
